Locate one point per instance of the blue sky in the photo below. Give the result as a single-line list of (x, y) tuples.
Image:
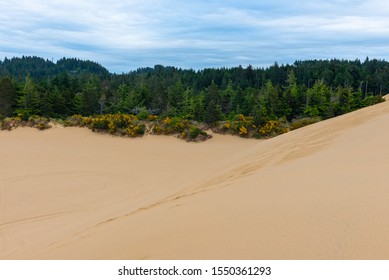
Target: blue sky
[(125, 35)]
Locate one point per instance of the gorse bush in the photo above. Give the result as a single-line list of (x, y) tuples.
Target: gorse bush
[(270, 128), (117, 124), (33, 121), (183, 128), (114, 123), (240, 125), (174, 125), (244, 126), (132, 126), (38, 122)]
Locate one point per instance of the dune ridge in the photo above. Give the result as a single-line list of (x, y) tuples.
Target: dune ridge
[(319, 192)]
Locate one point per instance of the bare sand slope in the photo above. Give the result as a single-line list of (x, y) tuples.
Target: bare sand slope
[(320, 192)]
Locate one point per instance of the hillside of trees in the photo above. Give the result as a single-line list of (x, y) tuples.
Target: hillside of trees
[(312, 89)]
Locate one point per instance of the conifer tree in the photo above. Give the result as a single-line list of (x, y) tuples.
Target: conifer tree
[(7, 97), (29, 101)]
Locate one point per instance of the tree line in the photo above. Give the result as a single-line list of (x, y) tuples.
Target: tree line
[(306, 89)]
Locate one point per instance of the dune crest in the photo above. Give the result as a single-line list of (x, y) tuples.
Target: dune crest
[(319, 192)]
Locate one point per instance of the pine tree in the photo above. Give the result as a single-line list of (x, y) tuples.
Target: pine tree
[(29, 101), (226, 99), (117, 101), (7, 97), (187, 105), (272, 100), (213, 111), (175, 98), (57, 102), (291, 97), (89, 98)]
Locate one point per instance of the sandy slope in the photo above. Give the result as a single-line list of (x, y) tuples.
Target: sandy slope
[(321, 192)]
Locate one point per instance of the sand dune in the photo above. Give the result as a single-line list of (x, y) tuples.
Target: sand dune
[(320, 192)]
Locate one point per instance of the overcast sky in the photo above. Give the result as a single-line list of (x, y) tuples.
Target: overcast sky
[(125, 35)]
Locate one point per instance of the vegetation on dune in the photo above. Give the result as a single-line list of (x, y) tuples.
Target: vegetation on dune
[(135, 126), (15, 122), (247, 102)]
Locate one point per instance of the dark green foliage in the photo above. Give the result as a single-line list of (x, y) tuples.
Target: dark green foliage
[(29, 99), (194, 132), (183, 128), (213, 111), (306, 90), (40, 69), (89, 98), (8, 97)]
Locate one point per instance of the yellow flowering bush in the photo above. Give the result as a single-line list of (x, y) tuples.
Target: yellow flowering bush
[(171, 126), (269, 128), (152, 118), (121, 124), (243, 131), (182, 128), (38, 122), (131, 126), (166, 121), (240, 124), (227, 125)]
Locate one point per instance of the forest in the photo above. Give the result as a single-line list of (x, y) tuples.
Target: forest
[(247, 101)]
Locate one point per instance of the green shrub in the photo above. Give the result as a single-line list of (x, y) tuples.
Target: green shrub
[(24, 114), (130, 125), (295, 124), (371, 100), (120, 124), (194, 132), (143, 115), (75, 120), (38, 122), (5, 124), (33, 121)]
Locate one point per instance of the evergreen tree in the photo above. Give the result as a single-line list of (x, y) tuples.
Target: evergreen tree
[(260, 111), (8, 97), (175, 98), (226, 103), (187, 105), (213, 111), (58, 103), (318, 100), (29, 101), (89, 98), (312, 88), (272, 100), (291, 102), (117, 101)]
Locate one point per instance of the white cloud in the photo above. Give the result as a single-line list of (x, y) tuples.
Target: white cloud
[(124, 35)]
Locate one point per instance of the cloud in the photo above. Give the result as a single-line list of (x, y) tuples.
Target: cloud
[(125, 35)]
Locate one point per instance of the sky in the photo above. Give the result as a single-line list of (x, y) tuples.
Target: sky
[(125, 35)]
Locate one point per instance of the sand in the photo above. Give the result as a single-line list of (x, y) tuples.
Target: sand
[(319, 192)]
